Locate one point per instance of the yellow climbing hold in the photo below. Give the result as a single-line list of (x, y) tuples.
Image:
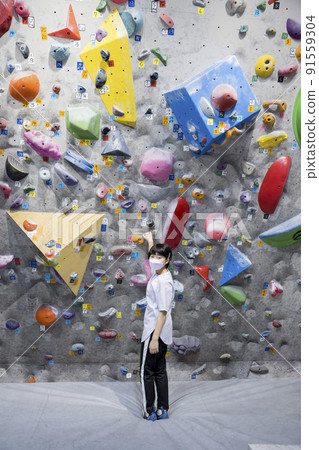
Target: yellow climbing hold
[(120, 91), (265, 66), (272, 139)]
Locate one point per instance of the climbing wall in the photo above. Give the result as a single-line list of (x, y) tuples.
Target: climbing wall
[(92, 156)]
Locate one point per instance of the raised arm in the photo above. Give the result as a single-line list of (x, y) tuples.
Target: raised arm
[(149, 238)]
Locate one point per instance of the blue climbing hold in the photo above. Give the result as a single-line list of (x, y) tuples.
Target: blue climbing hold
[(235, 263), (10, 67)]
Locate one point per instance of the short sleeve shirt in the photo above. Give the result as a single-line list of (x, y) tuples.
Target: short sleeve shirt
[(160, 294)]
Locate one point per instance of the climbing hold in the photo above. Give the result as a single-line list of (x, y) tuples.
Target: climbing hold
[(56, 88), (12, 324), (109, 313), (224, 97), (5, 16), (235, 7), (101, 190), (133, 21), (285, 234), (44, 173), (167, 20), (83, 121), (273, 184), (206, 276), (5, 188), (191, 252), (177, 216), (157, 164), (98, 249), (273, 139), (127, 203), (298, 53), (268, 313), (265, 333), (59, 52), (199, 370), (185, 345), (269, 119), (154, 193), (71, 31), (77, 347), (206, 107), (245, 335), (55, 127), (271, 31), (101, 5), (105, 54), (199, 3), (10, 66), (276, 324), (24, 86), (138, 239), (117, 112), (117, 145), (216, 226), (100, 34), (125, 191), (46, 314), (236, 295), (119, 275), (81, 89), (3, 123), (275, 288), (29, 225), (243, 29), (42, 144), (260, 369), (24, 49), (276, 104), (246, 241), (262, 6), (178, 264), (159, 54), (154, 76), (294, 29), (100, 78), (248, 168), (107, 334), (118, 250), (265, 66), (15, 169), (5, 260), (245, 197), (188, 178), (143, 54), (65, 176), (198, 194), (105, 130), (235, 263), (215, 314), (225, 357), (296, 117), (288, 70)]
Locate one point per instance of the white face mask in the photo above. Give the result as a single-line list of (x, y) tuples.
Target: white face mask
[(155, 264)]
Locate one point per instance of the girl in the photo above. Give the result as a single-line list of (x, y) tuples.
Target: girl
[(157, 331)]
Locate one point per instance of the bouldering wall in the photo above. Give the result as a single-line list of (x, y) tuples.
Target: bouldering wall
[(174, 115)]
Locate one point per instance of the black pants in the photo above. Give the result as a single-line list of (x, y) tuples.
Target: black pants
[(153, 368)]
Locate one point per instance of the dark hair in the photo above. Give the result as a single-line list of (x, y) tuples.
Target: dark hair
[(163, 250)]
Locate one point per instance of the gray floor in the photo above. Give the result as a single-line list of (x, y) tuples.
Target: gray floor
[(228, 414)]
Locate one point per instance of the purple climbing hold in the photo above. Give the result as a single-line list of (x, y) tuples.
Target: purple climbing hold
[(157, 164), (67, 314), (65, 176), (48, 357), (42, 144), (17, 203), (100, 34), (222, 166), (99, 272), (178, 264), (224, 97), (117, 111), (12, 324), (294, 29), (245, 197), (128, 203)]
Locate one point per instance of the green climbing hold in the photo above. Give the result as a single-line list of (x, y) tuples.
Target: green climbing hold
[(83, 121), (296, 118), (262, 6), (158, 52), (236, 295), (28, 188), (233, 115), (101, 5), (243, 29), (98, 249)]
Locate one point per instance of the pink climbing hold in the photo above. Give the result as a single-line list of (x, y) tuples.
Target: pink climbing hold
[(275, 288), (224, 97), (290, 69), (42, 144), (5, 16), (141, 279), (157, 164), (216, 226), (21, 9), (101, 190), (167, 20), (5, 259), (3, 123), (5, 188)]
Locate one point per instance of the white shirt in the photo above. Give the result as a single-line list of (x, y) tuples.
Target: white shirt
[(160, 294)]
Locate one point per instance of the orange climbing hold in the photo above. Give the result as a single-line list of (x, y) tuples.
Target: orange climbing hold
[(24, 86), (71, 31)]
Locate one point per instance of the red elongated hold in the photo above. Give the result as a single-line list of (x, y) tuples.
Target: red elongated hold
[(206, 278), (167, 20), (273, 184), (177, 216)]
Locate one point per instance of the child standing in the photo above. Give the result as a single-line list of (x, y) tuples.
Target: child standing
[(157, 331)]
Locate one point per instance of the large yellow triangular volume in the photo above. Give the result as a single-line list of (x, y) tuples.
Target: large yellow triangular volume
[(119, 77), (66, 230)]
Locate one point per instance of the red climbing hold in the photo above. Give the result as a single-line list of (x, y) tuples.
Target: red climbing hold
[(71, 31), (6, 7)]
